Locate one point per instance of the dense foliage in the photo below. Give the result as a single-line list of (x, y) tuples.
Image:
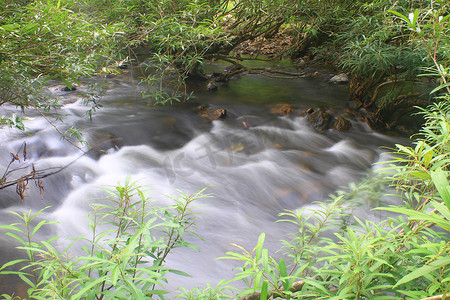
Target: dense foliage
[(124, 257), (69, 40)]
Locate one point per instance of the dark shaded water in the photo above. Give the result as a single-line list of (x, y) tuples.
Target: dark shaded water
[(253, 171)]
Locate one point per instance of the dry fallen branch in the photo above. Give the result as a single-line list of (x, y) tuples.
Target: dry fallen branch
[(439, 297), (21, 181)]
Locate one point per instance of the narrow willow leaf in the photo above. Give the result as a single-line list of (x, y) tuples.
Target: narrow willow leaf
[(26, 279), (257, 281), (440, 87), (421, 175), (265, 259), (406, 150), (115, 274), (181, 273), (12, 227), (260, 245), (415, 215), (12, 262), (283, 274), (135, 291), (90, 285), (160, 293), (439, 263), (440, 181), (16, 237), (442, 209), (38, 226), (264, 289), (10, 27)]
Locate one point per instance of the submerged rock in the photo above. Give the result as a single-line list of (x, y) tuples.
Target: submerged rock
[(212, 85), (249, 121), (284, 109), (68, 88), (212, 114), (103, 142)]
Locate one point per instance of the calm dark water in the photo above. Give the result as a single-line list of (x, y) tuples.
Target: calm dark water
[(255, 163)]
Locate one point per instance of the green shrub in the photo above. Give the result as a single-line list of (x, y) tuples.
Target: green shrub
[(123, 258)]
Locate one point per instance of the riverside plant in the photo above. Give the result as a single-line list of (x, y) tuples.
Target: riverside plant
[(124, 257)]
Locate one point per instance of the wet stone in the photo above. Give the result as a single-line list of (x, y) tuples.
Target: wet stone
[(339, 79), (320, 120), (283, 109), (212, 114), (342, 124)]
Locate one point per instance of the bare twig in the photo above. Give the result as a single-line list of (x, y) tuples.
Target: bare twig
[(56, 128)]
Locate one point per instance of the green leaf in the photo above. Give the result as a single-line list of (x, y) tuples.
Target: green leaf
[(421, 174), (440, 87), (442, 262), (264, 289), (259, 245), (12, 262), (160, 293), (440, 181), (265, 259), (26, 280), (405, 150), (87, 288), (283, 274), (181, 273), (38, 226), (401, 16), (135, 291), (16, 237), (12, 227), (10, 27), (445, 212), (115, 274)]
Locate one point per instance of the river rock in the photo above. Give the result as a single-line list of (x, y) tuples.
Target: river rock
[(212, 85), (212, 114), (342, 124), (68, 88), (339, 79), (282, 108), (320, 120), (102, 142)]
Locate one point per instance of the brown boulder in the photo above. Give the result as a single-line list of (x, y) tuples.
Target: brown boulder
[(320, 120), (342, 124), (212, 114), (284, 109)]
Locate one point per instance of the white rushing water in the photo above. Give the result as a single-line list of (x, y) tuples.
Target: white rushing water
[(252, 172)]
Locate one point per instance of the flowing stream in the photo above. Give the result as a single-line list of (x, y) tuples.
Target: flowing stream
[(254, 163)]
